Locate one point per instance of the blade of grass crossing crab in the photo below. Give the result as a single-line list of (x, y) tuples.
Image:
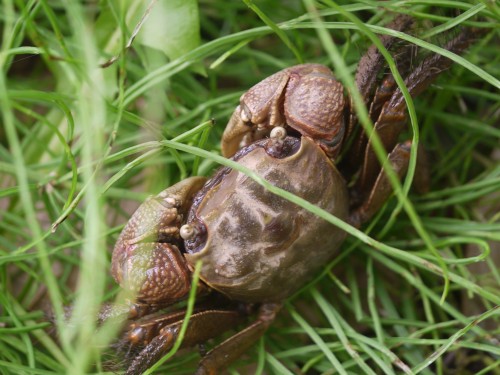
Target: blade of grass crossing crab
[(401, 192), (441, 51), (389, 250)]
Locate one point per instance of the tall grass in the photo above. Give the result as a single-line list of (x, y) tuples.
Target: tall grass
[(105, 103)]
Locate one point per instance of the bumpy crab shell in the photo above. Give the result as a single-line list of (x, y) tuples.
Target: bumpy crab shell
[(256, 246)]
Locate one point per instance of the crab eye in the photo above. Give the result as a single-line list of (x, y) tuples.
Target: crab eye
[(278, 133), (188, 232), (280, 146), (194, 235)]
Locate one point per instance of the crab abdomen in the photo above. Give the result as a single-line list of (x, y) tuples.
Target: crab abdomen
[(256, 246)]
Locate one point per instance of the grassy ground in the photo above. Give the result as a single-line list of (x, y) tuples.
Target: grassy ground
[(81, 145)]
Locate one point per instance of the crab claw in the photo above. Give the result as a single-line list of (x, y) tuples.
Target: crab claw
[(154, 272), (146, 260), (306, 98), (237, 133), (259, 111)]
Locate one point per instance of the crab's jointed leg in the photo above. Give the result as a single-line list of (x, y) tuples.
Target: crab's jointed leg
[(152, 338), (382, 188), (371, 63), (226, 352), (156, 336), (393, 116)]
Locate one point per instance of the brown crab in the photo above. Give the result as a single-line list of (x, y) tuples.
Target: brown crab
[(257, 248)]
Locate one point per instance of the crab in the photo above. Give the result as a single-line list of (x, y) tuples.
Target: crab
[(255, 248)]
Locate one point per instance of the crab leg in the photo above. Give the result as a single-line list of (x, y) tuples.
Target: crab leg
[(398, 159), (370, 65), (382, 187), (393, 116), (226, 352), (160, 333), (382, 94)]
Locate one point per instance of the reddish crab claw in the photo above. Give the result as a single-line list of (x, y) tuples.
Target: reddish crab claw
[(287, 129), (306, 98), (147, 260)]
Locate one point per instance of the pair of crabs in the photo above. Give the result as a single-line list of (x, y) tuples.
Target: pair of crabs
[(257, 248)]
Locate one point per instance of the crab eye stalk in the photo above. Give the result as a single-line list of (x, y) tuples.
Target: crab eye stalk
[(188, 232), (278, 133)]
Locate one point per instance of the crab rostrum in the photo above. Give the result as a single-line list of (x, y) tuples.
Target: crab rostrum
[(257, 248)]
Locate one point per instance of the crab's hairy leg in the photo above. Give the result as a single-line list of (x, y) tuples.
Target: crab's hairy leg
[(382, 188), (370, 65), (403, 58), (433, 66), (140, 333), (202, 326), (393, 116), (232, 348), (383, 93)]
